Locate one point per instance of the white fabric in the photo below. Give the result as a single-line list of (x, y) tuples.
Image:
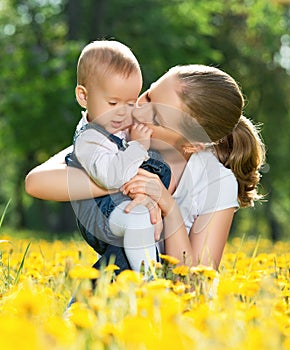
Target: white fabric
[(205, 186), (138, 232), (102, 160), (84, 121)]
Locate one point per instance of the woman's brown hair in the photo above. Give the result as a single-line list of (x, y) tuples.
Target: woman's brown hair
[(216, 102)]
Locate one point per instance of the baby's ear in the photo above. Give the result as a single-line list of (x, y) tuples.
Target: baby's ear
[(81, 95), (194, 147)]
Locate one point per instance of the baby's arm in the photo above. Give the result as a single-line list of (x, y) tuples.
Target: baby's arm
[(105, 163)]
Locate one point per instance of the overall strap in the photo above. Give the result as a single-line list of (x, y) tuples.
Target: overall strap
[(121, 143)]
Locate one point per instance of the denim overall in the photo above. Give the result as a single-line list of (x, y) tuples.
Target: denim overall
[(101, 239)]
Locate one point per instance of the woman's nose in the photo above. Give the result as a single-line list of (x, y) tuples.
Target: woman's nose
[(143, 113), (141, 100)]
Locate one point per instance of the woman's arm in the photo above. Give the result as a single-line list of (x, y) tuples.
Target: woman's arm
[(208, 235), (54, 180), (206, 241)]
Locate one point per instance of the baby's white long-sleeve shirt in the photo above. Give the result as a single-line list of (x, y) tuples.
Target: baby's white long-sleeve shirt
[(108, 166)]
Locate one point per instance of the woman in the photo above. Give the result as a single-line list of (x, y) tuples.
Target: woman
[(190, 104)]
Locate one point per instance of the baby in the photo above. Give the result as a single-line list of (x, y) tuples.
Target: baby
[(111, 148)]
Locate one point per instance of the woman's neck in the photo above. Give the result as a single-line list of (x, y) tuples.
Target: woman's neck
[(177, 162), (170, 145)]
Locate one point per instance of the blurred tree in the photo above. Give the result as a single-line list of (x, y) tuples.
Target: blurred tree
[(249, 37), (85, 20), (37, 107), (40, 43)]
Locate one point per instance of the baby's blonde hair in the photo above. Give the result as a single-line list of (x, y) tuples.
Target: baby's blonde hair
[(102, 57)]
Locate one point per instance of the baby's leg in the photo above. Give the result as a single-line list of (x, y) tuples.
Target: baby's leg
[(138, 232)]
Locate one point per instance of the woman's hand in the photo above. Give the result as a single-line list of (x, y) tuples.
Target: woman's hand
[(149, 184)]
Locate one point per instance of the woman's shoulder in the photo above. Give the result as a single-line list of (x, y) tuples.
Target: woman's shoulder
[(216, 186), (207, 172), (208, 164)]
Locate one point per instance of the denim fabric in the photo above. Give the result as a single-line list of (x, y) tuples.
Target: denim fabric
[(92, 215), (118, 256), (99, 236)]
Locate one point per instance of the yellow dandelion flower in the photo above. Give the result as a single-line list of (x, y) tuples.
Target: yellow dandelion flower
[(169, 259), (169, 304), (34, 274), (95, 303), (84, 272), (286, 344), (178, 288), (189, 296), (210, 273), (29, 300), (158, 265), (181, 270), (112, 267), (285, 293), (203, 270), (60, 330), (113, 290), (81, 316), (160, 283), (20, 333), (128, 277), (249, 288), (138, 332), (109, 329)]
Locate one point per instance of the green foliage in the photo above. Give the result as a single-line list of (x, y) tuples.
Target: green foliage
[(40, 43)]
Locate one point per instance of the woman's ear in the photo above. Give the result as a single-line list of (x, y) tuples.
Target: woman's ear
[(81, 95)]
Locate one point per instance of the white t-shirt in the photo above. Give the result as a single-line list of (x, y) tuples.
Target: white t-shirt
[(205, 186)]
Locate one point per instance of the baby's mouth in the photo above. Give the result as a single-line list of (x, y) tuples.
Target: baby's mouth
[(116, 124)]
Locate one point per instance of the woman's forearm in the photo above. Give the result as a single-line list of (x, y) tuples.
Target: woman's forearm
[(61, 183), (206, 241), (176, 238), (54, 180)]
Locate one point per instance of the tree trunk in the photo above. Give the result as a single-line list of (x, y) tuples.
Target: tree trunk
[(97, 23), (74, 17)]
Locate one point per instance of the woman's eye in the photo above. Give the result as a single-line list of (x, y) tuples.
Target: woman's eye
[(147, 97), (155, 120)]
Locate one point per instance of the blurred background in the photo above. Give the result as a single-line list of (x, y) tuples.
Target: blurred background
[(40, 41)]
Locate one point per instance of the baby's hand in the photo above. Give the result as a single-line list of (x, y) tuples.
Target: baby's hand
[(141, 133)]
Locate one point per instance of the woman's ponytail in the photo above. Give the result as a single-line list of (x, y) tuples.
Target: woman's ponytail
[(243, 152), (215, 101)]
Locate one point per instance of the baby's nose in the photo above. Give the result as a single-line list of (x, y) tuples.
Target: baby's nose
[(122, 110)]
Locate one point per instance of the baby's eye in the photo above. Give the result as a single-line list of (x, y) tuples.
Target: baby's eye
[(131, 104), (112, 103)]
